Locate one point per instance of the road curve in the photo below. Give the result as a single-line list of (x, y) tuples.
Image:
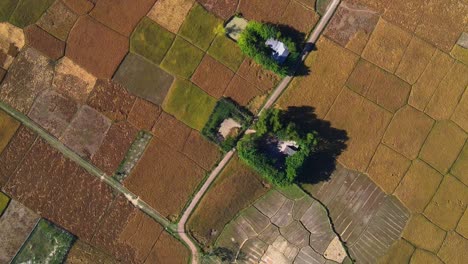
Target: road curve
[(271, 100)]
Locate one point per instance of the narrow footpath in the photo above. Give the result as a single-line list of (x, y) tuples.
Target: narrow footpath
[(270, 102)]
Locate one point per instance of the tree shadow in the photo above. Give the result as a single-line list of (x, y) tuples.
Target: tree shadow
[(332, 142)]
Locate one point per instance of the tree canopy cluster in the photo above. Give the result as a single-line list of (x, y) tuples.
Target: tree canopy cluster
[(252, 43), (273, 123)]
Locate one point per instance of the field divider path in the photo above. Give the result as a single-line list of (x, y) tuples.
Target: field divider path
[(113, 183), (316, 32)]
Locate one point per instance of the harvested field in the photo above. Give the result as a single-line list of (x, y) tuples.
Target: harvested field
[(168, 250), (82, 253), (114, 146), (172, 131), (212, 76), (30, 74), (331, 66), (415, 59), (4, 200), (64, 187), (164, 178), (144, 114), (150, 40), (16, 224), (182, 59), (257, 75), (58, 20), (13, 154), (386, 46), (53, 111), (222, 8), (86, 132), (126, 232), (111, 99), (263, 10), (199, 27), (72, 80), (144, 79), (122, 15), (95, 47), (202, 151), (46, 244), (27, 12), (227, 52), (237, 186), (299, 17), (8, 127), (80, 7), (379, 86), (44, 42), (351, 26), (189, 104), (241, 91), (170, 13)]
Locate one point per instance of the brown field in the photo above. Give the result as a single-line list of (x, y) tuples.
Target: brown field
[(202, 151), (86, 132), (222, 8), (30, 74), (80, 7), (111, 99), (330, 67), (386, 46), (44, 42), (171, 131), (170, 13), (64, 193), (263, 10), (12, 155), (254, 73), (241, 91), (8, 127), (82, 253), (168, 250), (144, 114), (299, 17), (127, 232), (58, 20), (164, 178), (123, 15), (212, 76), (114, 147), (53, 111), (236, 188)]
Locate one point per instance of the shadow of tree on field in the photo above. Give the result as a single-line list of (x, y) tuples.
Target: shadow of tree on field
[(332, 142)]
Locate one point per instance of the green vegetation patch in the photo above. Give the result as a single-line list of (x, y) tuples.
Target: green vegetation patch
[(4, 200), (189, 104), (224, 110), (150, 40), (6, 9), (28, 12), (200, 27), (261, 150), (252, 43), (182, 59), (47, 244), (227, 52), (133, 155)]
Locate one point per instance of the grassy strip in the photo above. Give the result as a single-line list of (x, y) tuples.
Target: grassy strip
[(133, 155)]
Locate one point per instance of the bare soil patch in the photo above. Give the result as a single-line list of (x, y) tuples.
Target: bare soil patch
[(114, 146), (238, 186), (144, 114), (30, 74), (170, 13), (111, 99), (241, 91), (212, 76), (222, 8), (95, 47), (121, 15), (127, 232), (44, 42), (12, 155), (164, 178), (172, 131), (202, 151), (64, 193), (86, 132), (168, 250)]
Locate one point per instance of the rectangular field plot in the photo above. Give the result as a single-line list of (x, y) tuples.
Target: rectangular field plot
[(48, 243)]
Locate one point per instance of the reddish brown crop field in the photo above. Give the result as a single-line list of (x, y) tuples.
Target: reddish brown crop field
[(171, 131), (63, 193), (164, 178), (257, 75), (221, 8), (263, 10), (212, 76), (241, 90), (82, 253), (144, 114), (202, 151), (168, 250)]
